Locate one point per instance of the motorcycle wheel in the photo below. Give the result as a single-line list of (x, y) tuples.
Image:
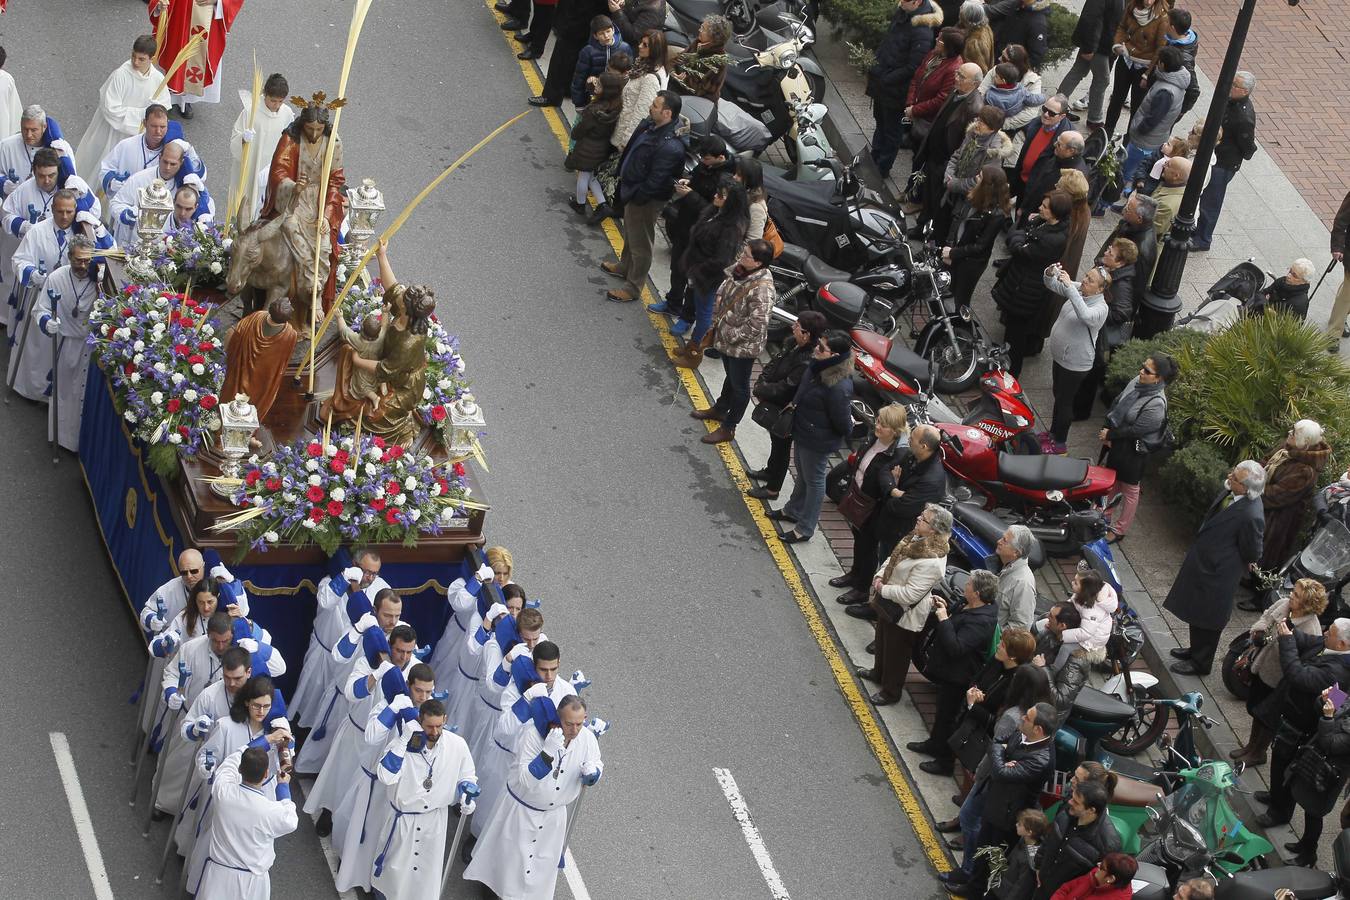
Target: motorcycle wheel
[(1143, 731), (957, 362), (836, 483)]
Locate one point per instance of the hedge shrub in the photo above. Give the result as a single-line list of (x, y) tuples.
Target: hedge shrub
[(1130, 356), (1191, 478)]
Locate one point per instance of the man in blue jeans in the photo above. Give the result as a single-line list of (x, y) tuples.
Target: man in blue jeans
[(821, 419), (911, 35), (1237, 144)]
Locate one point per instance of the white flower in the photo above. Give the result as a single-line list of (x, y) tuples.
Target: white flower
[(410, 482), (426, 393), (401, 499), (371, 470), (338, 494), (138, 346), (215, 268), (178, 378), (208, 329), (157, 398), (414, 514), (442, 348), (135, 377), (458, 364), (288, 496), (315, 480), (258, 500), (103, 330), (190, 395), (253, 459), (271, 537), (376, 454), (312, 465), (161, 300), (161, 368), (175, 438), (227, 244), (122, 334), (330, 450), (436, 489), (447, 513), (198, 369), (349, 475), (346, 443), (308, 523), (170, 266), (379, 494), (130, 416)]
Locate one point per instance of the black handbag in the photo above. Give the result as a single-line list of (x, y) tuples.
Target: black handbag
[(970, 741), (856, 507), (776, 420), (1313, 781)]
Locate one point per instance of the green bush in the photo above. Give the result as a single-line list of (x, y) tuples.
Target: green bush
[(1241, 389), (1059, 35), (1191, 479)]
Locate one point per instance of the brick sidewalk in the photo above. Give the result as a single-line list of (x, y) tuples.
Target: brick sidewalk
[(1297, 120)]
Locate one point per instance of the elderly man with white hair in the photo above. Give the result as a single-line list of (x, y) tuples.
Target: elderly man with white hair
[(1016, 599), (178, 166), (1226, 547)]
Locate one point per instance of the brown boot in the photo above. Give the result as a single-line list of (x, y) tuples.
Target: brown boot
[(720, 436), (711, 414), (687, 357), (1254, 752)]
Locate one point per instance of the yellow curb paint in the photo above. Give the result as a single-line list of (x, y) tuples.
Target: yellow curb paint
[(843, 672)]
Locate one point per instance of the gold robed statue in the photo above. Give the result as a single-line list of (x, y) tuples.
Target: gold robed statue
[(276, 254), (398, 364)]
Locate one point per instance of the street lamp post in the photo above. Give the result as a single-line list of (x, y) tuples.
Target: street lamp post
[(1161, 303)]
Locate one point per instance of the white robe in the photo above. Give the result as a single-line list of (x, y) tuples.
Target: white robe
[(121, 111), (267, 128), (11, 107), (464, 680), (248, 821), (176, 760), (128, 198), (464, 620), (361, 813), (25, 206), (171, 597), (496, 757), (129, 156), (203, 671), (520, 849), (331, 718), (41, 252), (320, 671), (413, 843), (69, 300), (482, 717)]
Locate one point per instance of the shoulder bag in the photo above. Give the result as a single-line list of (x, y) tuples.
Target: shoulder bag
[(856, 507), (775, 419)]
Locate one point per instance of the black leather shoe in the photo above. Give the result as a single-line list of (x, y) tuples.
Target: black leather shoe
[(527, 54), (1295, 847), (778, 515), (1187, 667), (1305, 860), (323, 826), (521, 36), (881, 699), (1266, 820), (866, 674), (957, 842), (951, 826), (186, 112), (1249, 604), (792, 537), (502, 7), (543, 101), (927, 748), (961, 889), (760, 475), (762, 493), (861, 611), (511, 25), (937, 766), (1262, 797), (954, 877), (1180, 652), (842, 581), (850, 597)]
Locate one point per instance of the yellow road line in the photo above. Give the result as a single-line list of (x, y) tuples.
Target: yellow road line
[(839, 666)]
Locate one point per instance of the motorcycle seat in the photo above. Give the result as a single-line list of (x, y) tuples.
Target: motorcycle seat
[(1098, 706), (1042, 472), (988, 527), (819, 273), (1307, 884), (1133, 792), (793, 256), (904, 361)]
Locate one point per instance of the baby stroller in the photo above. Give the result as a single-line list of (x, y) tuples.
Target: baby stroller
[(1233, 295)]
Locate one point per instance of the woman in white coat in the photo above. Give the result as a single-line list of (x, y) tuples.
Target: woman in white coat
[(902, 597)]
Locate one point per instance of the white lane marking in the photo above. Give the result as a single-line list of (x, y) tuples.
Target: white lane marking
[(573, 876), (79, 812), (751, 834)]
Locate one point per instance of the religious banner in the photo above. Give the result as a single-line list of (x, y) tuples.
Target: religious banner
[(176, 22)]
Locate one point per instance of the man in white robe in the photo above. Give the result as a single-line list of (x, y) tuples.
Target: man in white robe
[(36, 130), (521, 849), (427, 772), (273, 116), (334, 706), (121, 105), (10, 105), (343, 763), (194, 666), (320, 672), (138, 152), (463, 597), (362, 813), (175, 169), (159, 609), (240, 856), (62, 313), (203, 705)]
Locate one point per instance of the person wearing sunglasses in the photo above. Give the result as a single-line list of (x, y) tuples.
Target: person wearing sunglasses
[(1133, 430)]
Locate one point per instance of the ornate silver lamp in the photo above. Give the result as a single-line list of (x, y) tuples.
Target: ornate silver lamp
[(238, 422), (365, 207), (156, 205), (466, 423)]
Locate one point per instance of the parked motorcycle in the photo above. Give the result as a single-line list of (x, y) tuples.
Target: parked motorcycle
[(683, 18), (1325, 559), (773, 82), (1300, 882), (841, 221)]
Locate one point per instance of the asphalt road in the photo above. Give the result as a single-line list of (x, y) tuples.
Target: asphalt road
[(652, 577)]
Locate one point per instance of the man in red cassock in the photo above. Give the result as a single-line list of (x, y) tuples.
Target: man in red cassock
[(198, 78)]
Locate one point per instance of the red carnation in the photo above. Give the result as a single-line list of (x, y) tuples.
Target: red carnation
[(338, 465), (182, 349), (252, 477), (127, 312), (458, 469), (273, 484), (377, 504), (209, 401), (314, 493), (397, 451), (196, 358), (129, 368), (184, 431), (391, 516), (315, 514), (173, 405), (335, 508), (206, 346), (314, 449), (393, 488), (189, 302), (174, 316), (378, 441), (438, 412)]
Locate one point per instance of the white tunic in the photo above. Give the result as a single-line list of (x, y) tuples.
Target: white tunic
[(176, 760), (171, 598), (413, 844), (16, 162), (69, 299), (519, 853), (320, 671), (465, 678), (126, 204), (11, 108), (121, 110), (203, 668), (42, 251), (464, 620), (248, 820), (482, 716), (129, 156), (496, 757), (362, 813), (331, 718), (267, 129)]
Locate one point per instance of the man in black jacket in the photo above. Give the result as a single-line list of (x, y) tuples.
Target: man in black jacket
[(691, 198), (634, 18), (1136, 224), (917, 480), (572, 30), (1340, 307), (909, 38), (1045, 174), (1017, 772), (944, 137), (1298, 700), (1237, 144), (1020, 22), (1081, 835), (1093, 36), (1039, 141)]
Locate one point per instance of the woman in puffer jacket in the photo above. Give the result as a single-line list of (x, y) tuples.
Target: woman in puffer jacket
[(1068, 680)]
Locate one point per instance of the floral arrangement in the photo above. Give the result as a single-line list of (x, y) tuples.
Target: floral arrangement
[(445, 367), (165, 364), (352, 489), (196, 253)]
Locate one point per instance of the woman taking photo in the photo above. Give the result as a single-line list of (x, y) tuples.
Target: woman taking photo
[(775, 388), (978, 221), (861, 505), (1073, 342), (901, 594), (1134, 428)]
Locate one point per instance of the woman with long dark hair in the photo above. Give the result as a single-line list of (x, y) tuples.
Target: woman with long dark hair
[(1134, 427), (978, 221), (714, 242), (776, 386)]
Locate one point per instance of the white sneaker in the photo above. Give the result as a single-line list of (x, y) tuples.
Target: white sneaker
[(1080, 103)]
